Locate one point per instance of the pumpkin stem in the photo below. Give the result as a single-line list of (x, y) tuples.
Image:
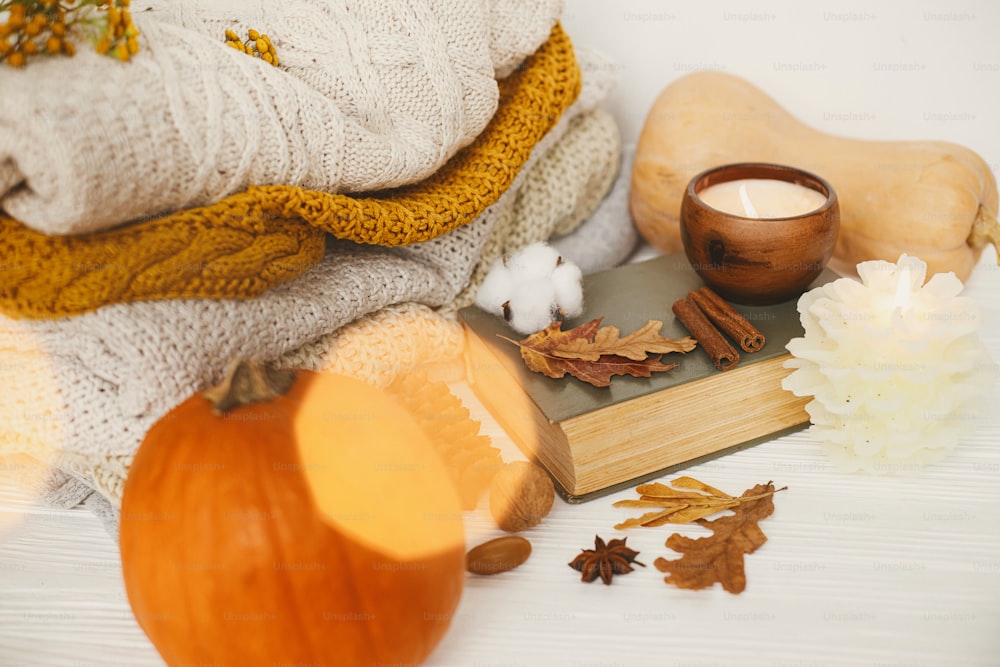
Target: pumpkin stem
[(249, 381), (985, 230)]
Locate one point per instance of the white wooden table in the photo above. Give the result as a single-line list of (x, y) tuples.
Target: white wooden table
[(858, 570)]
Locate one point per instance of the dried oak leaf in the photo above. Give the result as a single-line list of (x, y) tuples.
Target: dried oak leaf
[(718, 558), (594, 354), (674, 506), (637, 345)]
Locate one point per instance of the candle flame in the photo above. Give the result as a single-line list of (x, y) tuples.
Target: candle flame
[(747, 204), (902, 300)]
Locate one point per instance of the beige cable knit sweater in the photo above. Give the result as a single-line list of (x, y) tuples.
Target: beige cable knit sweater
[(370, 95)]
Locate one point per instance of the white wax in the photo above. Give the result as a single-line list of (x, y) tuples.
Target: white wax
[(762, 198), (895, 366)]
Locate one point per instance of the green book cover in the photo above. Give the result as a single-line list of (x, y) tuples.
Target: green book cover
[(627, 297)]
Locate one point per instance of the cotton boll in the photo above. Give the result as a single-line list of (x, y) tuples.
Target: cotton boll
[(531, 306), (533, 262), (567, 280), (496, 289), (531, 288)]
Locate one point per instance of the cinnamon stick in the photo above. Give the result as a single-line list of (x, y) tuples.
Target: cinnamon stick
[(734, 325), (718, 349)]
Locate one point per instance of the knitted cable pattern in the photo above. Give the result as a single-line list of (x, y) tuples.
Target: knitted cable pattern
[(369, 96), (530, 105), (47, 276), (240, 257), (89, 386), (515, 27)]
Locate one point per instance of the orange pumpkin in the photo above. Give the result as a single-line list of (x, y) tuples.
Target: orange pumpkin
[(313, 526)]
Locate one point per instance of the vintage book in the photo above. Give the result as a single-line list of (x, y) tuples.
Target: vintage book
[(596, 440)]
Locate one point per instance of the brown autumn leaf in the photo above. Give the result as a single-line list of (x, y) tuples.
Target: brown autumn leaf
[(597, 373), (718, 558), (637, 345), (671, 505), (554, 353)]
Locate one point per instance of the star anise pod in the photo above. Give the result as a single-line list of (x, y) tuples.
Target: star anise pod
[(605, 560)]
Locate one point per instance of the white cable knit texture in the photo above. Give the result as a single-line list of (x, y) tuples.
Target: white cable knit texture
[(91, 385), (369, 95)]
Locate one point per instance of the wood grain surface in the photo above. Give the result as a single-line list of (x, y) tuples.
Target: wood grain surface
[(857, 570)]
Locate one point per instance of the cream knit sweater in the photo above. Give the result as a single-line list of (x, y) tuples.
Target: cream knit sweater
[(370, 95)]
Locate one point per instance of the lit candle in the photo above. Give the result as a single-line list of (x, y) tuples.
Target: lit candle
[(894, 366), (758, 233), (762, 198)]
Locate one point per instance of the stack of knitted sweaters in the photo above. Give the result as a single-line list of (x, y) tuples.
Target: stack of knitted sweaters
[(164, 216)]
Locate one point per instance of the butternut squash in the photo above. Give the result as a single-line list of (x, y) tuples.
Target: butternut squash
[(934, 200)]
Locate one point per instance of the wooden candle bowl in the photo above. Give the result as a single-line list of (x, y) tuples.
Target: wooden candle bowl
[(758, 261)]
